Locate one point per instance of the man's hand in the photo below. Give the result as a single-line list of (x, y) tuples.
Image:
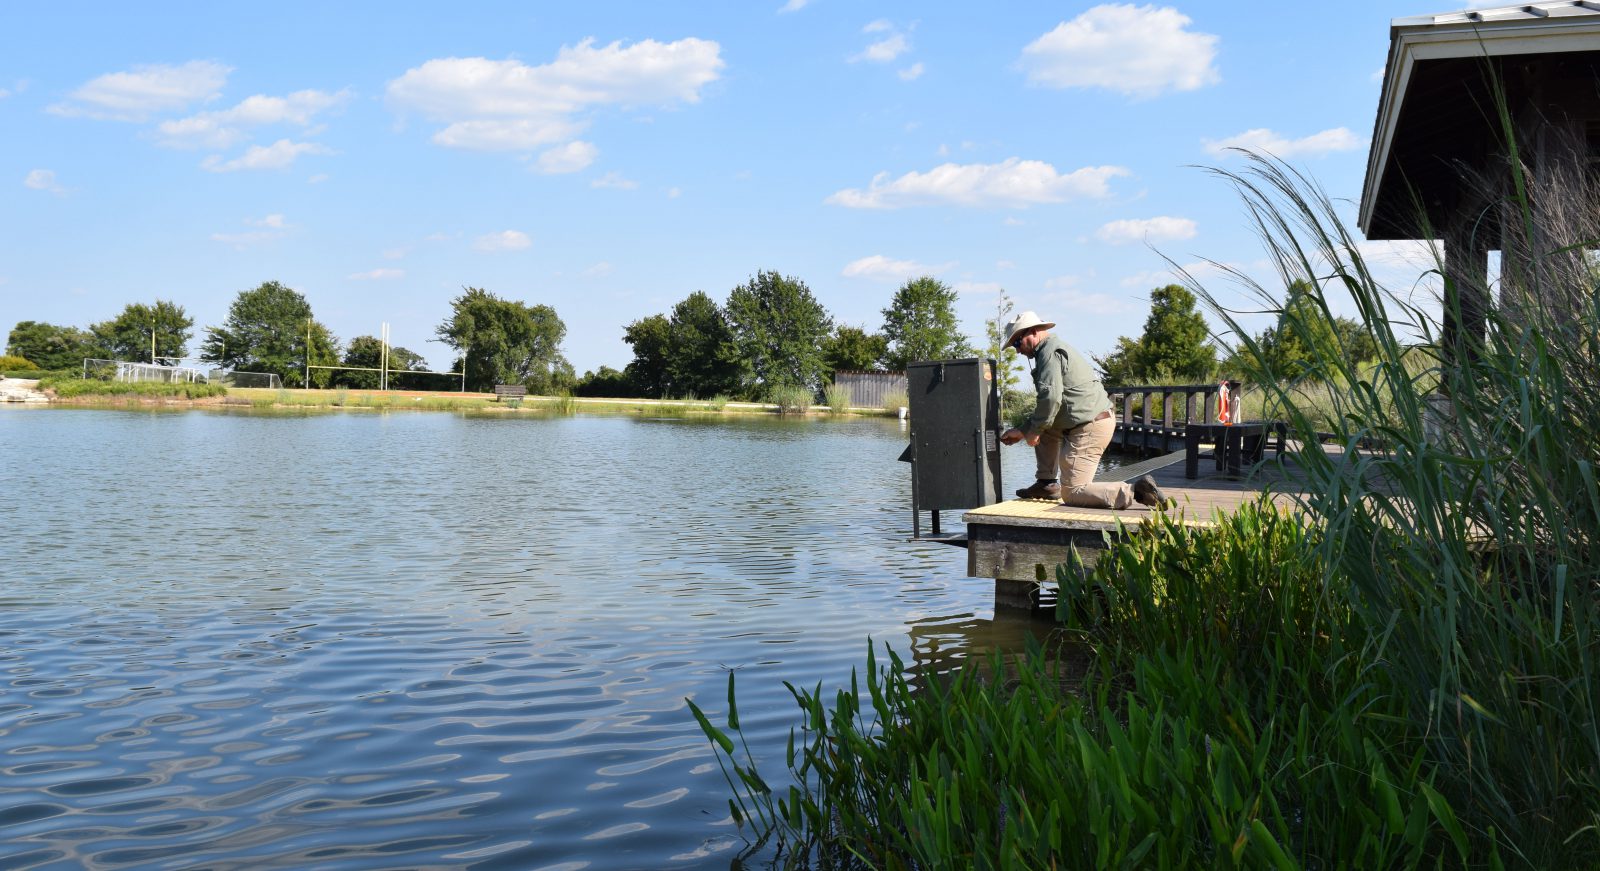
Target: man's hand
[(1012, 436)]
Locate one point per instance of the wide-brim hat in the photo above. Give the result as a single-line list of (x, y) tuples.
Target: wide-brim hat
[(1024, 321)]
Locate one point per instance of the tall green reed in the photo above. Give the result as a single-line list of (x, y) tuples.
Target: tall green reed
[(1466, 546)]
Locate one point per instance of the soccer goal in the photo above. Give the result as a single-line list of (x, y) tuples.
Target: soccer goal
[(126, 371), (247, 379)]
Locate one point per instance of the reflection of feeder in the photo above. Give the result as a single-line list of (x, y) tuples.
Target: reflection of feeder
[(941, 645), (955, 440)]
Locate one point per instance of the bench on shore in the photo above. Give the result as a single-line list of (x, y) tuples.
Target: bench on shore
[(510, 392)]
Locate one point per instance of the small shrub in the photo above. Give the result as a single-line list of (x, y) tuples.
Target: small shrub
[(340, 397), (837, 398), (792, 400), (718, 402), (13, 363)]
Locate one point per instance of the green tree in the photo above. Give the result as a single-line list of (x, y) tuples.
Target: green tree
[(920, 323), (366, 352), (1176, 341), (271, 329), (1304, 334), (128, 335), (1175, 345), (778, 328), (651, 339), (49, 346), (604, 381), (507, 342), (853, 349), (701, 357), (1307, 332)]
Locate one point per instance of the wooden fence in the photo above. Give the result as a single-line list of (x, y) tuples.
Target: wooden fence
[(871, 389)]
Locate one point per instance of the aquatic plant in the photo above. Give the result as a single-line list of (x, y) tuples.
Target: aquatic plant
[(1469, 545), (69, 388), (836, 397), (791, 399)]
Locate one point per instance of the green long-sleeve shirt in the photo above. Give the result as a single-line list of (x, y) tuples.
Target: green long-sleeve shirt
[(1070, 394)]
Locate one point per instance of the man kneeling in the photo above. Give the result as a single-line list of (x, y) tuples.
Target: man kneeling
[(1071, 424)]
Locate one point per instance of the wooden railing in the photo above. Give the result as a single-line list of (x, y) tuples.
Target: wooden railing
[(1138, 425)]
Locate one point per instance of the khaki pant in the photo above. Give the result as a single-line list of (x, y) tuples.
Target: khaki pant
[(1076, 452)]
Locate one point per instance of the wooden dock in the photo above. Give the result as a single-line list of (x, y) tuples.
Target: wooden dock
[(1020, 542)]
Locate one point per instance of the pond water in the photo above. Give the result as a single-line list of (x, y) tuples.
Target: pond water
[(424, 640)]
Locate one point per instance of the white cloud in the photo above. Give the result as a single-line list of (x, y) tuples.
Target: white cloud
[(567, 158), (1140, 51), (228, 127), (1014, 182), (491, 105), (1145, 230), (793, 6), (884, 50), (598, 270), (4, 93), (377, 275), (1005, 264), (278, 155), (505, 240), (883, 268), (42, 180), (673, 193), (268, 228), (1013, 221), (319, 178), (145, 90), (1262, 139), (614, 180), (398, 253), (882, 25), (1062, 282), (911, 73)]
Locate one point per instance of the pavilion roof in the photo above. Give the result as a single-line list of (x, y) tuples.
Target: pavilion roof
[(1436, 112)]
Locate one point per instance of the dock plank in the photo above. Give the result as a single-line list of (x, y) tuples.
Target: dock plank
[(1018, 541)]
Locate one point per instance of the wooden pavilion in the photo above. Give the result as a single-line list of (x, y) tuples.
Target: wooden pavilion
[(1455, 86)]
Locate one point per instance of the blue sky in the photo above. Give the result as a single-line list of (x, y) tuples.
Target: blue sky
[(608, 159)]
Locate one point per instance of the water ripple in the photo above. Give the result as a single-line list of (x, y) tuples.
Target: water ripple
[(432, 641)]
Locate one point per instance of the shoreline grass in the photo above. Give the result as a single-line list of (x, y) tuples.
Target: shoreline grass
[(78, 391)]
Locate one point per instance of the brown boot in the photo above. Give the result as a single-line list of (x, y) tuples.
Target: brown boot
[(1041, 490), (1145, 492)]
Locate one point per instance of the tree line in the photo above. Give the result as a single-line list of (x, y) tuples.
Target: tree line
[(770, 335), (271, 329), (1176, 346)]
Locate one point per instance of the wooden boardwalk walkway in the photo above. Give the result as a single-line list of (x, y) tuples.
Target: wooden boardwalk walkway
[(1020, 542)]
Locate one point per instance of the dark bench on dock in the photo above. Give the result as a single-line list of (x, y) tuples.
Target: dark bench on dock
[(1234, 445), (511, 392)]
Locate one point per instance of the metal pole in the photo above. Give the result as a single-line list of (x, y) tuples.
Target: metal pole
[(383, 359), (308, 353), (464, 353)]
